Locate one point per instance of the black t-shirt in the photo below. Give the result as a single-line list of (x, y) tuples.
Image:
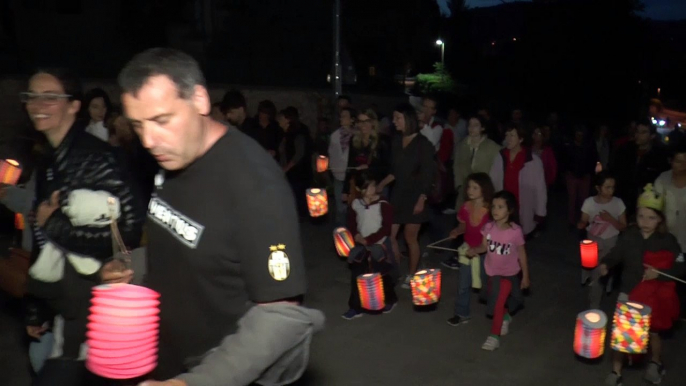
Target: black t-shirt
[(223, 233)]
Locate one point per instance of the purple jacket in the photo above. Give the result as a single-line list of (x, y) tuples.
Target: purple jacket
[(533, 195)]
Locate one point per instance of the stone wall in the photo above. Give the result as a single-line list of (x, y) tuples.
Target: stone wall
[(311, 103)]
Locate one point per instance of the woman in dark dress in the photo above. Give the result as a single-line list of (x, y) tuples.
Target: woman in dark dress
[(367, 152), (412, 169)]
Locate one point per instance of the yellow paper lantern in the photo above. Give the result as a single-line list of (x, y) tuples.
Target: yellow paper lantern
[(317, 202)]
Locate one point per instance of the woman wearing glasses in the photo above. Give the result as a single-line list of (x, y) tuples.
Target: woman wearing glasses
[(71, 226), (366, 151)]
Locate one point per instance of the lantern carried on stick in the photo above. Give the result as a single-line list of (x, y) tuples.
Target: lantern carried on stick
[(123, 331), (343, 240), (631, 328), (370, 287), (10, 171), (589, 334), (426, 287), (317, 202), (322, 163), (589, 254)]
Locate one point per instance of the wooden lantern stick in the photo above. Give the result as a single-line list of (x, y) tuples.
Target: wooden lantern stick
[(665, 275), (433, 245)]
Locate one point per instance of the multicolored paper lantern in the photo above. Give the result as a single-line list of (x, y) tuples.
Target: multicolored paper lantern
[(631, 328), (317, 202), (322, 163), (426, 287), (344, 242), (589, 253), (10, 171), (370, 287), (589, 334), (123, 331)]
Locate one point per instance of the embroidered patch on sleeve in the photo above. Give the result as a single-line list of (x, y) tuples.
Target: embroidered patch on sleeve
[(278, 263)]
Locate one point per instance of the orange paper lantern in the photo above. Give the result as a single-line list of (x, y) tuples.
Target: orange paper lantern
[(370, 287), (344, 242), (317, 202), (426, 287), (589, 334), (10, 171), (589, 253), (19, 221), (322, 163)]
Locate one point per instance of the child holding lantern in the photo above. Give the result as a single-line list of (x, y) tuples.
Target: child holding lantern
[(370, 219), (472, 217), (603, 216), (641, 250), (503, 243)]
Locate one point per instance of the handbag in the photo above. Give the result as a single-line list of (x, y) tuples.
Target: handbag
[(14, 271)]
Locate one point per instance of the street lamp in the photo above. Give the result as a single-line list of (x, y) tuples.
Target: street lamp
[(440, 42)]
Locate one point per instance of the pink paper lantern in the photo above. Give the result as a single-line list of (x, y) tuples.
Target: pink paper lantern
[(123, 331)]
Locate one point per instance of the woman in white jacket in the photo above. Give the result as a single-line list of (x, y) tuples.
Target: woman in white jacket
[(339, 148)]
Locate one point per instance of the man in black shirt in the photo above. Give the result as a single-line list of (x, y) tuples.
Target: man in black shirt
[(223, 237), (235, 109)]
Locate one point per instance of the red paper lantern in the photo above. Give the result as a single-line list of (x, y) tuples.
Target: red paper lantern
[(426, 287), (344, 242), (370, 287), (589, 253), (19, 221), (123, 331), (317, 202), (10, 171), (322, 163), (589, 334)]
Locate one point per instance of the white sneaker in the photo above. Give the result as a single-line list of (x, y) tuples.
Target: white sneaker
[(491, 344), (505, 328), (406, 282)]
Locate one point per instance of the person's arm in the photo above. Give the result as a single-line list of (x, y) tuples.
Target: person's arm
[(389, 178), (299, 143), (616, 255), (100, 172), (524, 263), (497, 172), (17, 199), (677, 269), (583, 222), (386, 225)]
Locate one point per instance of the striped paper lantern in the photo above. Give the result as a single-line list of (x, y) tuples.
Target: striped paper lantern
[(589, 334), (10, 171), (370, 287), (631, 328), (123, 329), (317, 202), (589, 253), (426, 287), (322, 163), (343, 240)]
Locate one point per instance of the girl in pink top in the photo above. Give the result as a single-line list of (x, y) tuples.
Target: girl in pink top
[(472, 217), (503, 242)]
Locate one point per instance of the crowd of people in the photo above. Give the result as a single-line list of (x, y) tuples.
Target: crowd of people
[(190, 162)]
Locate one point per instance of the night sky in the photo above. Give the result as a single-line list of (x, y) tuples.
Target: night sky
[(654, 9)]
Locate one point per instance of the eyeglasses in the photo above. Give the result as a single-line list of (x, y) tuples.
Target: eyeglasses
[(46, 98)]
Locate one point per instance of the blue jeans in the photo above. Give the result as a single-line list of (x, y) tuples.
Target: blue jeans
[(340, 207), (464, 287), (40, 351)]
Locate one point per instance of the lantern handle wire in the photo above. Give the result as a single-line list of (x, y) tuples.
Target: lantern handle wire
[(665, 275), (116, 236)]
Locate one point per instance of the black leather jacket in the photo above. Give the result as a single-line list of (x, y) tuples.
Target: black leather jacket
[(81, 161)]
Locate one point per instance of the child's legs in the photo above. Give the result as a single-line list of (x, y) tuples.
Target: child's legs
[(656, 347), (500, 311), (571, 196), (395, 228), (356, 269), (464, 291), (412, 239), (389, 289), (617, 361)]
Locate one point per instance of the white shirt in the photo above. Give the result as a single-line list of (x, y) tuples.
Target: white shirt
[(338, 158), (675, 206), (99, 130), (433, 133), (598, 227)]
